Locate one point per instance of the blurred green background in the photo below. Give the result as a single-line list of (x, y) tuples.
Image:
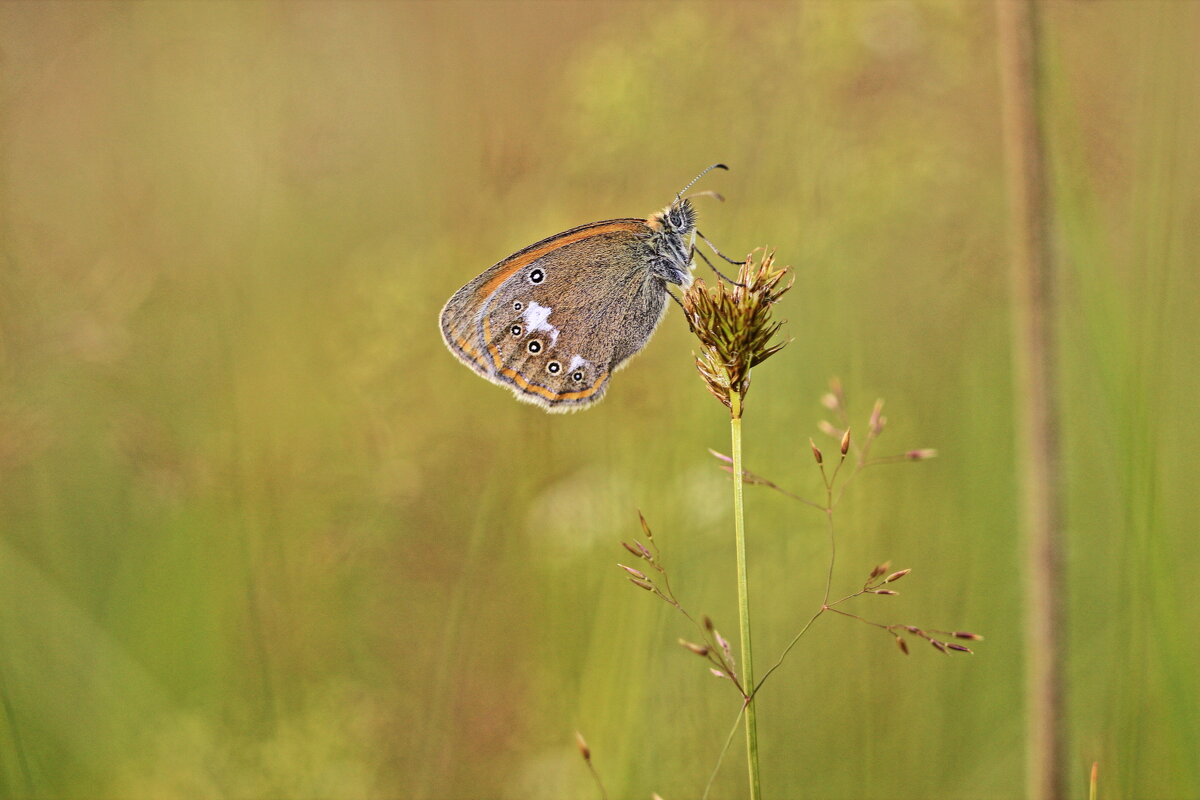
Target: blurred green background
[(262, 536)]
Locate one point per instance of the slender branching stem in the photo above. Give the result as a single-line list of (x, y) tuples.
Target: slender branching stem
[(783, 656), (825, 604), (737, 721), (832, 556), (596, 778)]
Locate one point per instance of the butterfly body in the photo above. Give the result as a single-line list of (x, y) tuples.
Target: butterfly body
[(554, 321)]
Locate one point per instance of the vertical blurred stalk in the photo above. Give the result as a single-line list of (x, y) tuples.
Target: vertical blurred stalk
[(1035, 384)]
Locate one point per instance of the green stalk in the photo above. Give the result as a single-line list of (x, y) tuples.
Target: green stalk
[(735, 425)]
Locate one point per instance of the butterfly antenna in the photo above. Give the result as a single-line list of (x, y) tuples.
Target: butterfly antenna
[(706, 193), (707, 170), (715, 250), (720, 274)]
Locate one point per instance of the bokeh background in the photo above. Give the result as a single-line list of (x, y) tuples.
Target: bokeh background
[(262, 536)]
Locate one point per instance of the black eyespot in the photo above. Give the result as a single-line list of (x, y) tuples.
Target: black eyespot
[(577, 376), (534, 346), (537, 276), (518, 305), (515, 330), (553, 367)]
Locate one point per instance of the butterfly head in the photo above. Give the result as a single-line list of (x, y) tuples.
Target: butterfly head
[(673, 234)]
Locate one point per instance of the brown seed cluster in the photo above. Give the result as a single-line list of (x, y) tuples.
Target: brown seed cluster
[(734, 326), (935, 638), (713, 647)]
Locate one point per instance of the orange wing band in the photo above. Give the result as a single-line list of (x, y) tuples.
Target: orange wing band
[(525, 257), (534, 388), (471, 352)]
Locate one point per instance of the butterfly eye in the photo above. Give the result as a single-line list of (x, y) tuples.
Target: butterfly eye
[(537, 276), (518, 305), (534, 346), (577, 376), (515, 330), (553, 367)]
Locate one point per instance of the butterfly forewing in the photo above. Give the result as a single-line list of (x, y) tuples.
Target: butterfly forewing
[(553, 321)]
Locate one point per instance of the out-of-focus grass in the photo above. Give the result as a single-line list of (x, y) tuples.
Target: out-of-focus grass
[(261, 536)]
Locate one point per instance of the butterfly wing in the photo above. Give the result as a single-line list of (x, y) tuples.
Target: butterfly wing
[(555, 320)]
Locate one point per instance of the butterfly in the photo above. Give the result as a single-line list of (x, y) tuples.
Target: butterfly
[(554, 321)]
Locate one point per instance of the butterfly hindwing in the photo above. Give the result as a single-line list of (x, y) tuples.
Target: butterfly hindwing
[(553, 321)]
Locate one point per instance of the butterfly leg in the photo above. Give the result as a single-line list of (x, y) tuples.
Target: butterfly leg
[(720, 274), (718, 252), (679, 303)]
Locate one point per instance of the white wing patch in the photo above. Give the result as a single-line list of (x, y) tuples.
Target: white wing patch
[(576, 362), (537, 318)]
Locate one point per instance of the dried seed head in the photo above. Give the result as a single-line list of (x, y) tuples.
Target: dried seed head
[(708, 623), (877, 419), (720, 456), (816, 451), (965, 635), (647, 585), (939, 646), (632, 549), (921, 455), (637, 573), (846, 442), (879, 570), (830, 401), (829, 429), (584, 750), (895, 576), (724, 646), (902, 644), (645, 552), (885, 591), (835, 389), (645, 527), (959, 648), (698, 649), (717, 672), (734, 326)]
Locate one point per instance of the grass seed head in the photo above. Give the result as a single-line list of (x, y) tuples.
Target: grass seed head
[(637, 573), (877, 421), (734, 326), (829, 429)]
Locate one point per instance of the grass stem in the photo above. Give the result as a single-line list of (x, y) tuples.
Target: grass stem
[(735, 424), (1036, 392)]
